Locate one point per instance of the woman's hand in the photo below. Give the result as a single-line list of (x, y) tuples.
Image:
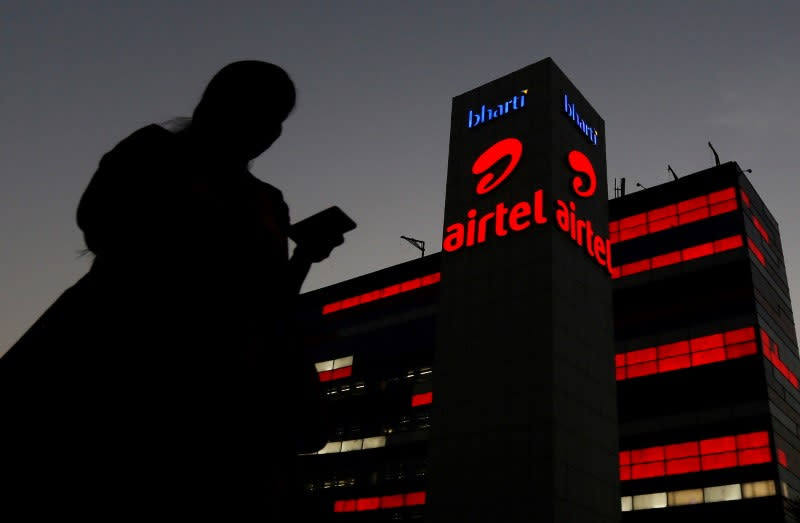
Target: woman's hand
[(317, 250), (308, 253)]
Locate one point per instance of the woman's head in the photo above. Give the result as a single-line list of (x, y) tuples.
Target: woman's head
[(243, 107)]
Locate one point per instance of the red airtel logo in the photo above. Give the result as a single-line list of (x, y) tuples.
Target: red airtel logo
[(580, 163), (504, 219), (510, 147)]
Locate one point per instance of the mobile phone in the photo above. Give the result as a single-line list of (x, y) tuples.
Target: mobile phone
[(329, 223)]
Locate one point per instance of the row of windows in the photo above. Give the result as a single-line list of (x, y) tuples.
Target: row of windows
[(756, 222), (379, 294), (347, 482), (336, 391), (335, 369), (683, 255), (380, 502), (770, 349), (695, 456), (351, 445), (684, 354), (677, 498), (667, 217)]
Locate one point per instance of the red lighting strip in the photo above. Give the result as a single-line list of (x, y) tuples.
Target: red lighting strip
[(683, 255), (782, 458), (770, 349), (695, 456), (745, 198), (379, 502), (761, 229), (685, 354), (757, 252), (424, 398), (380, 294), (663, 218), (335, 374)]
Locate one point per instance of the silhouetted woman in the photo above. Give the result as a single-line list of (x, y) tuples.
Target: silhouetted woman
[(166, 381)]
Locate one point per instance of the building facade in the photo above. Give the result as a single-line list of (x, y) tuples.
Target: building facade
[(591, 360)]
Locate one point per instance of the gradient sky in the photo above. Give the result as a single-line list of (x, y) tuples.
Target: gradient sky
[(375, 81)]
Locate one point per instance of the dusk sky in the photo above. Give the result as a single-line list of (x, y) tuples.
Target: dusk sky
[(370, 131)]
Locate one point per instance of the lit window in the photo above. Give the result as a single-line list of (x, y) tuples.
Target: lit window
[(375, 442), (331, 447), (685, 497), (723, 493), (322, 366), (646, 501), (351, 445), (627, 503), (424, 398), (758, 489), (338, 363), (368, 504)]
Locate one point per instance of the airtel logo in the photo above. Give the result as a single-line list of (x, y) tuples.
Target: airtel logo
[(504, 219), (580, 163), (511, 148)]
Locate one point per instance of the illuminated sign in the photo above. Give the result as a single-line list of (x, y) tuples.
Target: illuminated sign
[(496, 111), (528, 213), (570, 111)]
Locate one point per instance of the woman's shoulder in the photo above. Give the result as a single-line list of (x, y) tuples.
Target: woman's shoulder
[(148, 138)]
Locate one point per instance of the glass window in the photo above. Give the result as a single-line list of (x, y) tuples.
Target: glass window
[(758, 489), (627, 503), (685, 497), (645, 501), (352, 444), (722, 493), (375, 442), (331, 447), (338, 363), (322, 366)]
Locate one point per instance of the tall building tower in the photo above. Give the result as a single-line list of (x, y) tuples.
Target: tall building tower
[(706, 355)]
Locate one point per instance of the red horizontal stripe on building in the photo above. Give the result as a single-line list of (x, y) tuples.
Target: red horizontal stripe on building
[(671, 258), (683, 354), (673, 215), (408, 499), (379, 294), (757, 252), (695, 456), (424, 398), (770, 350)]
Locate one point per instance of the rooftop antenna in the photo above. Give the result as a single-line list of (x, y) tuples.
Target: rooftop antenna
[(672, 172), (419, 244), (716, 156), (622, 186), (640, 185)]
